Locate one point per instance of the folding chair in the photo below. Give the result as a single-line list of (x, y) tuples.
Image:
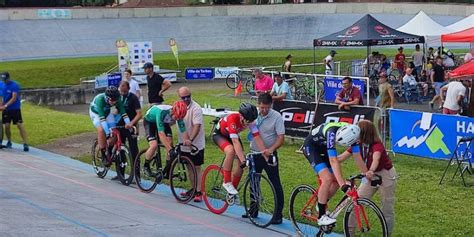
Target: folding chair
[(463, 162)]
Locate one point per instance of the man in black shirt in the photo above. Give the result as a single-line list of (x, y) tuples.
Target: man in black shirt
[(437, 79), (157, 85)]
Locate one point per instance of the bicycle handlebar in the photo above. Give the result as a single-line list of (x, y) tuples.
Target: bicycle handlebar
[(272, 158), (377, 180), (194, 149)]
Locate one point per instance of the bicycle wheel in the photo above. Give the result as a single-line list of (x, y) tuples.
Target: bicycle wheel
[(304, 210), (364, 220), (124, 165), (249, 86), (232, 80), (147, 182), (260, 201), (183, 179), (99, 168), (213, 193)]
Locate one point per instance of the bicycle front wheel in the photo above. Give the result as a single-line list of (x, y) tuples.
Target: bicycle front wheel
[(232, 80), (124, 166), (213, 193), (304, 210), (250, 86), (183, 179), (364, 219), (99, 168), (260, 201), (147, 181)]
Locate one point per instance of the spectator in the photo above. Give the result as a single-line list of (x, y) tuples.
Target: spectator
[(430, 58), (329, 62), (467, 57), (348, 95), (263, 83), (157, 85), (410, 84), (132, 107), (455, 93), (134, 87), (400, 63), (272, 130), (437, 79), (2, 85), (377, 163), (287, 66), (387, 97), (385, 64), (194, 134), (448, 62), (418, 60), (424, 83), (11, 107), (281, 89)]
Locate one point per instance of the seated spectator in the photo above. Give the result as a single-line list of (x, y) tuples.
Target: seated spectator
[(410, 85), (386, 65), (423, 82), (467, 57), (455, 93), (348, 95), (281, 89), (448, 62), (263, 83)]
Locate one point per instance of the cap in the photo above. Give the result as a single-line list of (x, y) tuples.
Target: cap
[(400, 48), (277, 74), (5, 75), (148, 65), (333, 52)]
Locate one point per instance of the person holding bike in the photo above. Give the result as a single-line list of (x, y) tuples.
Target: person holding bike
[(377, 162), (320, 150), (226, 137), (158, 120), (105, 111)]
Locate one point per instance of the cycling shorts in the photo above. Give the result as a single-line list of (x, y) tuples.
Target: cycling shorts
[(317, 155), (222, 141), (151, 131), (111, 119)]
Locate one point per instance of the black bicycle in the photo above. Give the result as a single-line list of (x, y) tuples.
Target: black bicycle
[(259, 193), (182, 174)]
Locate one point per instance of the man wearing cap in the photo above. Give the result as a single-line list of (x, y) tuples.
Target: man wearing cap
[(329, 62), (157, 85), (11, 109)]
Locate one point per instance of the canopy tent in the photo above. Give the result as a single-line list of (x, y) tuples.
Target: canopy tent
[(422, 24), (465, 70), (463, 24), (466, 36)]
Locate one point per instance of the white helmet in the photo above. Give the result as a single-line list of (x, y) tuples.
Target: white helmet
[(347, 135)]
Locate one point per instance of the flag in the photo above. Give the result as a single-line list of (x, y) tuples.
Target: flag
[(238, 89), (123, 54), (174, 49)]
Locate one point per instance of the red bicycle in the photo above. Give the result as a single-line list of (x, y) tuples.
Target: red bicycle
[(120, 155), (361, 218)]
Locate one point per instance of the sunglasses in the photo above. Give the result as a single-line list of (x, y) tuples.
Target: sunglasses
[(186, 97)]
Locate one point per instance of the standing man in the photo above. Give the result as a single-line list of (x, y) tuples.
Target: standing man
[(418, 60), (194, 134), (11, 109), (437, 79), (455, 93), (329, 62), (263, 82), (157, 85), (272, 130), (348, 95), (400, 62), (287, 66), (134, 86)]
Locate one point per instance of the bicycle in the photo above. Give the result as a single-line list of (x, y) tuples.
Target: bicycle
[(120, 155), (248, 81), (256, 193), (182, 174), (369, 220), (303, 88)]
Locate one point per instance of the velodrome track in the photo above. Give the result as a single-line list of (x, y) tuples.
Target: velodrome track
[(44, 194)]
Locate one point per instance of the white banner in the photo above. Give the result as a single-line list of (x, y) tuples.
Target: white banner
[(223, 72)]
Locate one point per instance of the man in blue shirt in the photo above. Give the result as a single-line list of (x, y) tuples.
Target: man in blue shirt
[(11, 109)]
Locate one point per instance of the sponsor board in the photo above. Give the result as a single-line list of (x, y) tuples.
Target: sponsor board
[(332, 86), (330, 113), (199, 73), (54, 13), (223, 72)]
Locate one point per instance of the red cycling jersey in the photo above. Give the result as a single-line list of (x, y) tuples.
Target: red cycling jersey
[(230, 126)]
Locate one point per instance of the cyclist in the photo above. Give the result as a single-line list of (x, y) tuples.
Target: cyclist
[(158, 120), (226, 136), (105, 111), (320, 150)]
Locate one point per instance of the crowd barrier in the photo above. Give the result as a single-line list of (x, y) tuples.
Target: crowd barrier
[(429, 135)]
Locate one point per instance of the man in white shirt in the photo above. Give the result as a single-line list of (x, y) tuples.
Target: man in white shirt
[(418, 59), (329, 62), (455, 93), (410, 84), (134, 87)]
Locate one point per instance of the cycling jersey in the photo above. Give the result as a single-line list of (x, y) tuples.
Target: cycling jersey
[(100, 112), (161, 116), (231, 125)]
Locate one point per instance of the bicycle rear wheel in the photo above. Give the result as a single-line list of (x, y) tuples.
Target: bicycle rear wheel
[(213, 193), (250, 86), (147, 182), (260, 201), (365, 219), (124, 165), (183, 179), (304, 210), (99, 168), (232, 80)]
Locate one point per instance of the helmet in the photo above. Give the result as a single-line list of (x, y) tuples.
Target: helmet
[(248, 111), (112, 92), (179, 109), (5, 75), (347, 135)]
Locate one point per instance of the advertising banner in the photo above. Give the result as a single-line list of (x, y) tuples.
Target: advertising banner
[(105, 80), (429, 135), (199, 73), (298, 117), (54, 13), (332, 86), (223, 72), (134, 54), (330, 113)]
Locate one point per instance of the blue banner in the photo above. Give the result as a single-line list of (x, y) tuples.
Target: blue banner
[(429, 135), (332, 86), (114, 79), (199, 73)]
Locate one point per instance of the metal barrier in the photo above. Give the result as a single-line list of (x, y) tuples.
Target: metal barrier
[(337, 64)]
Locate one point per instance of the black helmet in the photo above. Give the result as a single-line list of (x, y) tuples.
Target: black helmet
[(112, 92), (5, 75), (248, 111)]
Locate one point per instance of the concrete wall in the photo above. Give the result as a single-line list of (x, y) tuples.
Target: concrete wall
[(55, 96)]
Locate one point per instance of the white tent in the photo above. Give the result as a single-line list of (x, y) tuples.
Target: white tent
[(463, 24), (422, 24)]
